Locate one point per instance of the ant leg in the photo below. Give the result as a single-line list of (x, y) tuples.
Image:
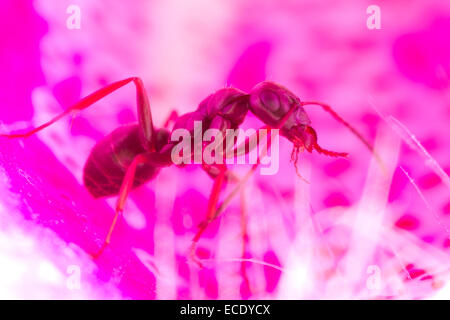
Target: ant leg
[(249, 173), (266, 127), (211, 215), (144, 113), (150, 158), (246, 147), (219, 172), (294, 160), (215, 192), (211, 211), (245, 238), (213, 170)]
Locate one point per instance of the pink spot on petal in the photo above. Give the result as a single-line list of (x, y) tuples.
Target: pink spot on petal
[(183, 291), (77, 59), (336, 199), (126, 115), (203, 253), (193, 204), (250, 68), (20, 58), (208, 281), (336, 167), (420, 55), (399, 181), (446, 243), (68, 91), (428, 239), (371, 120), (446, 208), (430, 144), (415, 273), (245, 290), (427, 277), (407, 222), (429, 181), (272, 275), (82, 126)]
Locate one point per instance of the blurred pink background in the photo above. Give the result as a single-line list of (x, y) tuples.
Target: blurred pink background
[(356, 231)]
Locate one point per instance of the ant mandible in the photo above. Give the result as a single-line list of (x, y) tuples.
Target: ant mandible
[(133, 154)]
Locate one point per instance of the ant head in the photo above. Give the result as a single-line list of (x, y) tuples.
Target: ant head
[(304, 137), (270, 102), (279, 108)]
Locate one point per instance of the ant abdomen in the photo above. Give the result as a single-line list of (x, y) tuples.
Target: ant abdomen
[(110, 158)]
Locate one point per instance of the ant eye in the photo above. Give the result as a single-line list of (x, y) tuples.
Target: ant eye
[(270, 100)]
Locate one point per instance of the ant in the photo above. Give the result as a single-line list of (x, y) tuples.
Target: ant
[(133, 154)]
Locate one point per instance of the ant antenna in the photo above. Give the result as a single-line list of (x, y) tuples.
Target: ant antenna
[(328, 109), (294, 160)]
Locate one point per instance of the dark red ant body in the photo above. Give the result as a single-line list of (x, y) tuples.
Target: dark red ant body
[(133, 154)]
